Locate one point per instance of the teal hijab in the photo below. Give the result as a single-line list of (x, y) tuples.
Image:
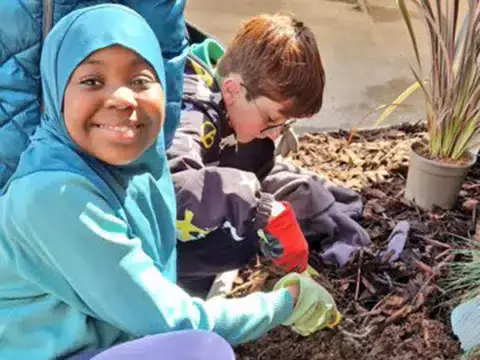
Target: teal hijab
[(142, 189)]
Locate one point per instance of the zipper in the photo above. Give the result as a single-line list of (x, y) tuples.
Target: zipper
[(47, 26), (47, 17)]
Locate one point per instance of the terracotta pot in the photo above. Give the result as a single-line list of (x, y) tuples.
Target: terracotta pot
[(432, 182)]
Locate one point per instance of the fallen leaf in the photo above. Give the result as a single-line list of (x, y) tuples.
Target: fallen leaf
[(469, 205)]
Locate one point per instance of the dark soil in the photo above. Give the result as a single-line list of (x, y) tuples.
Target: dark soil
[(398, 311), (422, 150)]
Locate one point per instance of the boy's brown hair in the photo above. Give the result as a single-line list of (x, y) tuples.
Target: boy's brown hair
[(277, 57)]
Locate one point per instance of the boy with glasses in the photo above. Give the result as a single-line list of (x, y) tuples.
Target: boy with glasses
[(230, 204)]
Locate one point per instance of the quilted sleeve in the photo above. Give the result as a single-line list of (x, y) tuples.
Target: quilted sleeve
[(20, 44)]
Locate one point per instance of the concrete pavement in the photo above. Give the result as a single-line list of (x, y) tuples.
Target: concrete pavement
[(366, 58)]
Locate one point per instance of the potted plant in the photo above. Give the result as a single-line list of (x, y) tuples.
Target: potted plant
[(452, 93)]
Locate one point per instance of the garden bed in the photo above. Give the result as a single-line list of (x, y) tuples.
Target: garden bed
[(398, 311)]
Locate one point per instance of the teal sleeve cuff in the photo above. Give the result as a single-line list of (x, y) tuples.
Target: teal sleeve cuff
[(245, 319), (283, 305)]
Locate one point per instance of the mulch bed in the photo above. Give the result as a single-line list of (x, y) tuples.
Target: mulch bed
[(398, 311)]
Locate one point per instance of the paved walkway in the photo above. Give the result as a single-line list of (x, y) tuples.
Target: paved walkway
[(366, 59)]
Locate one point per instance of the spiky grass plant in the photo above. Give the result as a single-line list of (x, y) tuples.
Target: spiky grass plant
[(452, 86), (464, 280)]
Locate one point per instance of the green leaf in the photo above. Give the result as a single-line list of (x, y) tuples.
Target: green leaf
[(398, 101)]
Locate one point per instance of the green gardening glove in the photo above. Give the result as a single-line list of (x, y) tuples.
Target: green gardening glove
[(315, 308)]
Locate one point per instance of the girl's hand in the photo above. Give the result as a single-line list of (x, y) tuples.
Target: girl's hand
[(315, 308), (294, 290)]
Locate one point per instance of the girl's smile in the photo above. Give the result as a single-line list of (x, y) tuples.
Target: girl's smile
[(120, 133)]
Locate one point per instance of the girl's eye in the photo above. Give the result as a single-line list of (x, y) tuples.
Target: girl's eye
[(91, 82), (142, 81)]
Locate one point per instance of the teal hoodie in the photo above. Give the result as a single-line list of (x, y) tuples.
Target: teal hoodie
[(87, 249)]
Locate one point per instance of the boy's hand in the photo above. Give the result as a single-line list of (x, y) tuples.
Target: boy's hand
[(315, 308), (283, 241), (288, 143)]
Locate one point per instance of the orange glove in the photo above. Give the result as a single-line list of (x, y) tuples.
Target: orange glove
[(283, 239)]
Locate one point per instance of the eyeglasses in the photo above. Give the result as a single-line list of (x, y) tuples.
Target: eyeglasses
[(270, 128), (283, 127)]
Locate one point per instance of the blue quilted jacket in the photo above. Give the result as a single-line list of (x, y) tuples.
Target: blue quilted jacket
[(23, 26)]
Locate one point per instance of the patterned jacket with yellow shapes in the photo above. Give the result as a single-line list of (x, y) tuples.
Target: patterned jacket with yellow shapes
[(217, 181)]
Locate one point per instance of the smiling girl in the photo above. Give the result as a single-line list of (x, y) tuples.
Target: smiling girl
[(87, 248)]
